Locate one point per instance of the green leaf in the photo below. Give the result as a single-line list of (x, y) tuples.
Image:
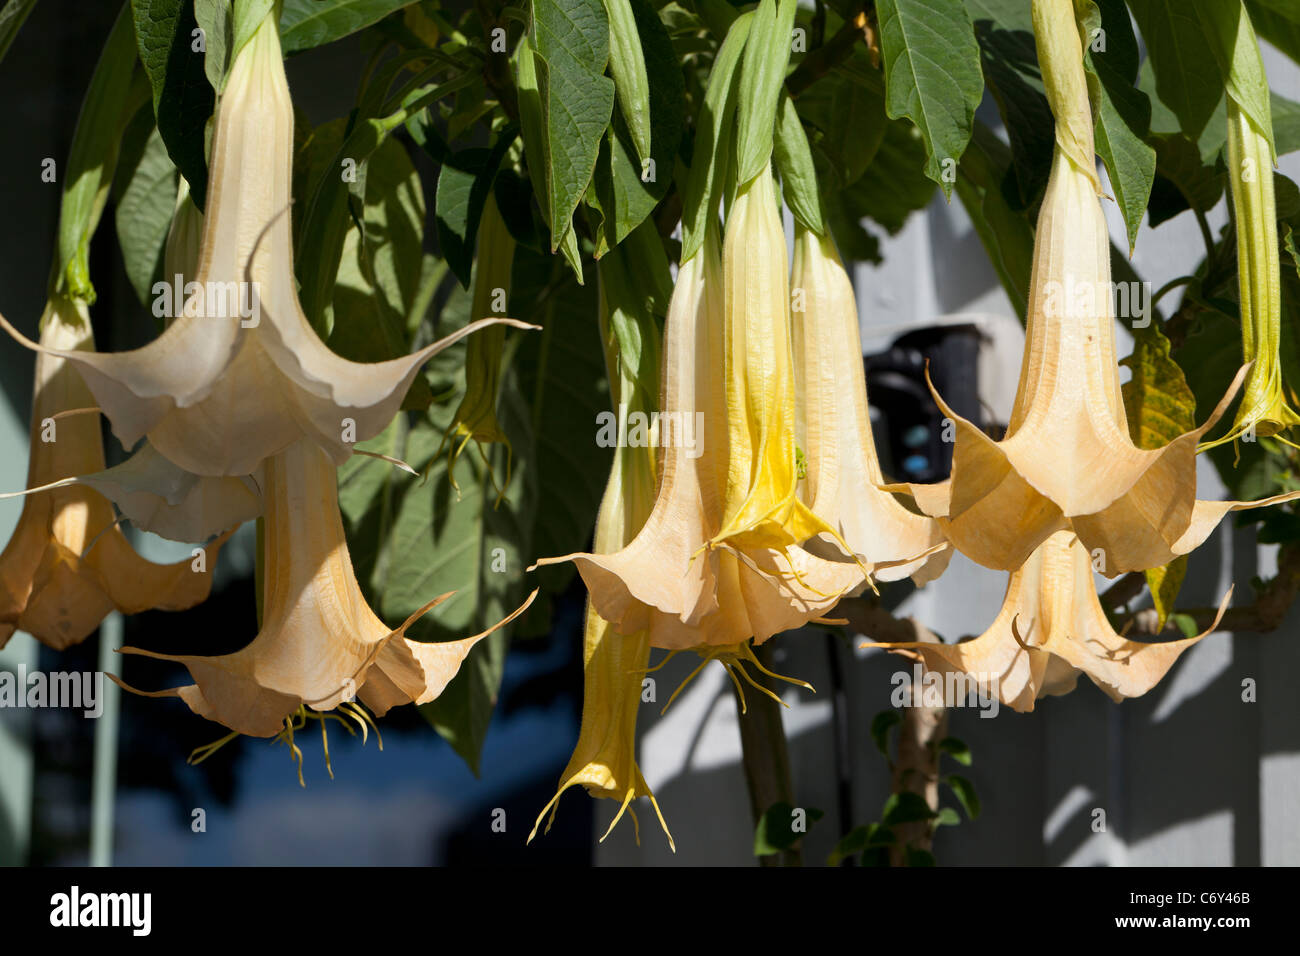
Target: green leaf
[(964, 791), (411, 541), (562, 373), (894, 185), (576, 98), (627, 65), (775, 832), (1286, 124), (1123, 111), (1278, 22), (712, 150), (947, 817), (625, 191), (1188, 77), (881, 725), (762, 77), (183, 99), (145, 197), (215, 20), (1159, 404), (1007, 236), (917, 857), (932, 76), (1005, 31), (305, 24), (906, 807), (464, 183), (956, 749), (1160, 407), (380, 271), (795, 162), (1226, 25), (1165, 583), (111, 100), (852, 145), (12, 17), (1183, 179)]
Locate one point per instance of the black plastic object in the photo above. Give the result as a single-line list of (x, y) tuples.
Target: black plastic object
[(911, 437)]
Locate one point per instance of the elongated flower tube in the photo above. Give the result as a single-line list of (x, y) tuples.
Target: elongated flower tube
[(843, 479), (669, 582), (613, 664), (320, 644), (476, 416), (1050, 630), (1266, 407), (68, 564), (1067, 461), (241, 374)]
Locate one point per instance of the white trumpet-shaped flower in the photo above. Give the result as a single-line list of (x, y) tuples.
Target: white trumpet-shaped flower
[(240, 375)]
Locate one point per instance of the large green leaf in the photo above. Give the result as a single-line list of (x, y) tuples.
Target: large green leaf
[(1183, 180), (412, 541), (1278, 22), (183, 98), (1123, 111), (1188, 77), (576, 99), (305, 24), (111, 100), (1005, 31), (932, 76), (464, 182), (215, 20), (625, 189), (145, 194), (762, 76)]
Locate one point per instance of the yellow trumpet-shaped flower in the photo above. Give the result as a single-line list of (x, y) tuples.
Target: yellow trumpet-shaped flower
[(320, 644), (1067, 461), (614, 665), (240, 374), (718, 560), (68, 564), (1052, 628), (843, 479)]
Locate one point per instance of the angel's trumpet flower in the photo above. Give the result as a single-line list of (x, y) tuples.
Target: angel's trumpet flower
[(241, 374), (68, 564), (843, 478), (1265, 404), (1067, 461), (476, 416), (613, 664), (719, 559), (320, 645), (1052, 628)]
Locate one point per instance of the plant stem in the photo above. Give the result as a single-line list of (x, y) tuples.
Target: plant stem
[(765, 756)]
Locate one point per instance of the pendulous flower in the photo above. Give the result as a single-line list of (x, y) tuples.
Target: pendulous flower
[(320, 644), (1067, 461), (719, 559), (68, 563), (241, 374), (843, 479), (1050, 630)]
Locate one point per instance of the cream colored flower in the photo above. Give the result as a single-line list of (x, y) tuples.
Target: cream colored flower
[(68, 564), (1050, 630), (843, 478), (241, 375), (320, 644)]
